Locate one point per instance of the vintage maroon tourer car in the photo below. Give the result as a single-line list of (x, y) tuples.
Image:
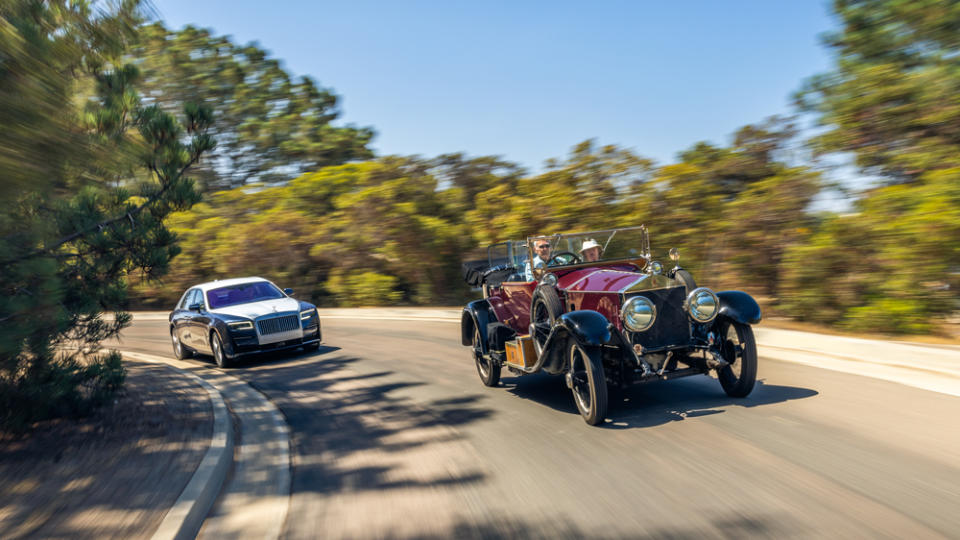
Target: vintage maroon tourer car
[(596, 308)]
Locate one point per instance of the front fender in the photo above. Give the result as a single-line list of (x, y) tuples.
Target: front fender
[(587, 327), (739, 306), (477, 314)]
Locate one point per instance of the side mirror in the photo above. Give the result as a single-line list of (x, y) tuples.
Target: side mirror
[(196, 307), (288, 292)]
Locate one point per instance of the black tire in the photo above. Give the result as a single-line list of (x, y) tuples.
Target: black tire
[(180, 352), (544, 312), (588, 384), (488, 370), (687, 279), (216, 346), (739, 348)]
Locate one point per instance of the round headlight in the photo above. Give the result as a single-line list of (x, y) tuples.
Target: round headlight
[(638, 314), (549, 279), (703, 305), (655, 268)]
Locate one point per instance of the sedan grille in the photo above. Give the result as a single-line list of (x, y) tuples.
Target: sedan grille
[(276, 325)]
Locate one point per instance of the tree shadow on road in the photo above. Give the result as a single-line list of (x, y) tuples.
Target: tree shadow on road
[(346, 423), (656, 403)]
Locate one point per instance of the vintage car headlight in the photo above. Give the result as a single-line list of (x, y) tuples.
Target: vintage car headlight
[(240, 325), (549, 279), (638, 314), (655, 268), (304, 315), (702, 305)]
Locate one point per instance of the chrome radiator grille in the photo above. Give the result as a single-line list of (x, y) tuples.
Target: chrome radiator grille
[(672, 327), (276, 325)]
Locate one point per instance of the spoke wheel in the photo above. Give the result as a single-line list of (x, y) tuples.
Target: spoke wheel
[(218, 355), (588, 384), (179, 351), (544, 311), (488, 370), (739, 348)]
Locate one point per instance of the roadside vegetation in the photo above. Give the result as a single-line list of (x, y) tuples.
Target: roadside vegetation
[(138, 160)]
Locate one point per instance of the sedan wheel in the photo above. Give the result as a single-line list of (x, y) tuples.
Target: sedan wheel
[(488, 370), (218, 355), (588, 384), (179, 351), (739, 349)]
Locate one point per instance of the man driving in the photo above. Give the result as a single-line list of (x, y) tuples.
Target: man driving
[(541, 248)]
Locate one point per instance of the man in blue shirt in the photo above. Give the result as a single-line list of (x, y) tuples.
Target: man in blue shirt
[(541, 247)]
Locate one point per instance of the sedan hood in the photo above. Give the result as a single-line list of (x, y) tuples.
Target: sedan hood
[(253, 310)]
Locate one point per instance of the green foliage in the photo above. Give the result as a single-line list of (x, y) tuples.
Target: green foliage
[(891, 101), (94, 176), (364, 289), (269, 127), (891, 96)]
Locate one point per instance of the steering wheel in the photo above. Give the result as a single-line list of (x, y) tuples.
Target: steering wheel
[(564, 258)]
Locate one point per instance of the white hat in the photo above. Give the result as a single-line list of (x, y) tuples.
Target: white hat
[(591, 243)]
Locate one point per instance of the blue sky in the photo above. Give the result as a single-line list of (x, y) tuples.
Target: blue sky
[(528, 80)]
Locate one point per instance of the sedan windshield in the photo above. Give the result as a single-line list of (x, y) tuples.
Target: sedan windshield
[(243, 293)]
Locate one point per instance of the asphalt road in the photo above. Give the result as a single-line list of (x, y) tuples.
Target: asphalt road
[(394, 436)]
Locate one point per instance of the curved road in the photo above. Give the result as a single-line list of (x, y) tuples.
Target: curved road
[(394, 436)]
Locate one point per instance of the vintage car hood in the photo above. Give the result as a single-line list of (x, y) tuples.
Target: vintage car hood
[(253, 310), (614, 281)]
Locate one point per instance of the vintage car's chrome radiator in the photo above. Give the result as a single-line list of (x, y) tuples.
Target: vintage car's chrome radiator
[(275, 325), (672, 326)]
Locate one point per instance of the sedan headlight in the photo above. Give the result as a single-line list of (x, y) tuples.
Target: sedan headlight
[(240, 325), (702, 305), (638, 314), (304, 315)]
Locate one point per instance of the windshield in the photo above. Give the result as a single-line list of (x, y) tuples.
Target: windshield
[(511, 253), (594, 246), (243, 293)]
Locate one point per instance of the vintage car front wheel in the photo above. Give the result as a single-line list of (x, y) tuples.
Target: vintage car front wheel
[(739, 348), (488, 370), (587, 382)]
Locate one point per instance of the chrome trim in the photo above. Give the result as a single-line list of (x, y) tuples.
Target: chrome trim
[(690, 298), (671, 283), (653, 309), (278, 323)]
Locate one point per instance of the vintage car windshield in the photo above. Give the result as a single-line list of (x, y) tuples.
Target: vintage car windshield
[(511, 253), (609, 245), (242, 293)]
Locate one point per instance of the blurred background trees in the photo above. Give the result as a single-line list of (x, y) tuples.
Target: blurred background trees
[(90, 175), (269, 126)]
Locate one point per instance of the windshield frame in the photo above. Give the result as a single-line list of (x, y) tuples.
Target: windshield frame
[(555, 240)]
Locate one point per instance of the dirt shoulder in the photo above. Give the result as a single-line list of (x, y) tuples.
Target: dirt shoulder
[(114, 474)]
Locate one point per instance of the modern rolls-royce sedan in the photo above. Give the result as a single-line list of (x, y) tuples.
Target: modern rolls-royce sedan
[(231, 318)]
